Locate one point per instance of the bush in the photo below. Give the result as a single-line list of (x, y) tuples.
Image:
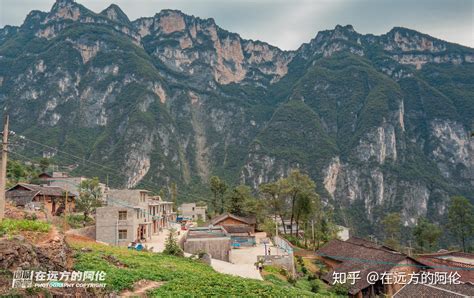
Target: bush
[(315, 286), (171, 246), (340, 289), (292, 280)]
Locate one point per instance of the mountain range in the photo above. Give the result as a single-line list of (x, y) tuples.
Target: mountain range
[(382, 123)]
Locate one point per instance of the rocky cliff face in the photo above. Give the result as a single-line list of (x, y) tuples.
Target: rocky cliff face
[(381, 122)]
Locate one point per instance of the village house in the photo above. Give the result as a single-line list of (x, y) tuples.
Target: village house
[(132, 215), (450, 261), (162, 213), (125, 218), (241, 229), (358, 255), (36, 197), (64, 181), (437, 290), (192, 211)]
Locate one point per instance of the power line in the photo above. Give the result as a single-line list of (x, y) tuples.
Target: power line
[(115, 200), (149, 184)]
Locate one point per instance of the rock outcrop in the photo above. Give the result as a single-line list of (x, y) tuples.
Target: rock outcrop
[(382, 123)]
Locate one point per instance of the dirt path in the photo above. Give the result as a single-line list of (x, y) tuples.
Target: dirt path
[(141, 287), (242, 270), (52, 234)]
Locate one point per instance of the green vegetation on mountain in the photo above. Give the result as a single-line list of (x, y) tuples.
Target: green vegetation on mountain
[(381, 123)]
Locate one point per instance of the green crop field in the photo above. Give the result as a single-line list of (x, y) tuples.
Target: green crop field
[(181, 276)]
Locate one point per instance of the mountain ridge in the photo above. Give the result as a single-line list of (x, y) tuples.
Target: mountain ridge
[(380, 122)]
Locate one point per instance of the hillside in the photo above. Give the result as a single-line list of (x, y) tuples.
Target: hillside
[(382, 123), (38, 244), (180, 276)]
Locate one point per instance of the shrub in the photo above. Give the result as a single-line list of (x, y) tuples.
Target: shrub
[(340, 289), (172, 247), (292, 280), (315, 286)]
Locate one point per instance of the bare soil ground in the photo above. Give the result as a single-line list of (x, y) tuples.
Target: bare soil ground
[(141, 287)]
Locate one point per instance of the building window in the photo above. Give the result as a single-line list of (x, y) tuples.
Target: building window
[(122, 234), (122, 215), (193, 208), (142, 197)]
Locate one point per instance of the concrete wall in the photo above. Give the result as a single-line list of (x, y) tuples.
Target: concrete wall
[(108, 225), (218, 248), (192, 211), (286, 262), (127, 198)]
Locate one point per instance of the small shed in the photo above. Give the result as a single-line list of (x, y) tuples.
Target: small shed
[(241, 229)]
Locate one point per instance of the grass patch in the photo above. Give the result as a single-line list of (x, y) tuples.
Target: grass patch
[(183, 276), (12, 226)]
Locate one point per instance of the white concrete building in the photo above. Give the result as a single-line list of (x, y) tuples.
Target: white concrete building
[(131, 215), (125, 218), (192, 211)]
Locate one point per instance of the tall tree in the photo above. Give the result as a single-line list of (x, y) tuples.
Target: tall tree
[(237, 199), (392, 225), (322, 227), (305, 207), (461, 220), (90, 195), (17, 171), (44, 164), (162, 194), (294, 186), (275, 200), (174, 196), (426, 234), (218, 188)]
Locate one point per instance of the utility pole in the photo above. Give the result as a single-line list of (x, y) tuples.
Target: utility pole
[(65, 213), (410, 249), (3, 168)]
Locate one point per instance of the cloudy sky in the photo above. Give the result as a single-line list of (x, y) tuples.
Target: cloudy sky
[(288, 23)]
